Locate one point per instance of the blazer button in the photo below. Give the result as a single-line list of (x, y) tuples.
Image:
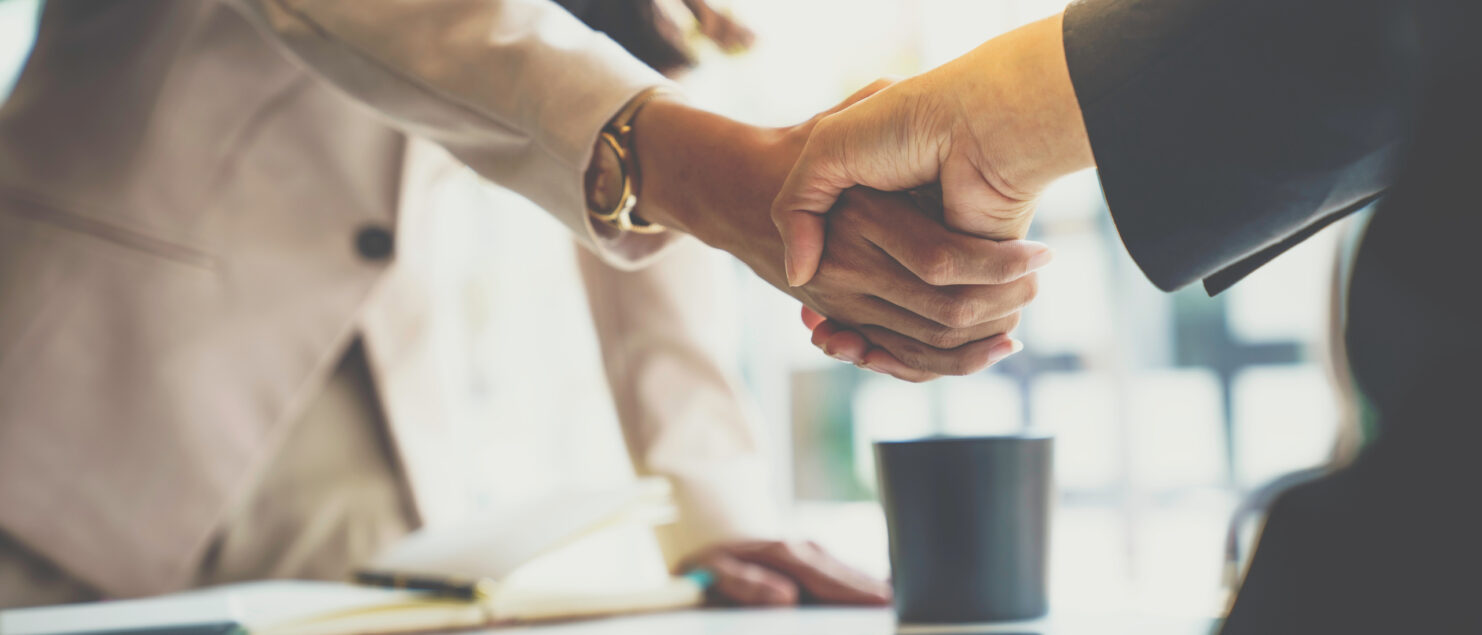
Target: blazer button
[(374, 243)]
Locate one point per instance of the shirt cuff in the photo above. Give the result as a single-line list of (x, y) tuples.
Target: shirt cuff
[(569, 131)]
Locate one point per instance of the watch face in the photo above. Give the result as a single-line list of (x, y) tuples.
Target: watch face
[(604, 179)]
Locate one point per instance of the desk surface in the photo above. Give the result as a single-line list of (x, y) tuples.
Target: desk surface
[(831, 621)]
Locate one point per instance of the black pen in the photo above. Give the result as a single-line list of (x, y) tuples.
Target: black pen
[(451, 588)]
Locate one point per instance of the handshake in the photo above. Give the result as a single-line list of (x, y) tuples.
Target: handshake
[(898, 217)]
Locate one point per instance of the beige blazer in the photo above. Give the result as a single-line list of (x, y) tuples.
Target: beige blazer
[(200, 203)]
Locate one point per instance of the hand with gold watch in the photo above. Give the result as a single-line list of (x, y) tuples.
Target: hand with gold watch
[(936, 301), (613, 177)]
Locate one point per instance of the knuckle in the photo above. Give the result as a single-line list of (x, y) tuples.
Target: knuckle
[(967, 363), (908, 351), (844, 262), (995, 267), (822, 292), (1005, 271), (823, 125), (1002, 301), (1031, 288), (938, 267), (826, 137), (750, 576), (944, 337), (1010, 322), (825, 278), (796, 549), (960, 313)]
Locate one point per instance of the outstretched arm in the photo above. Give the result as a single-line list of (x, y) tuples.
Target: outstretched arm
[(939, 301), (1225, 131), (519, 90), (1221, 128), (516, 89), (993, 128)]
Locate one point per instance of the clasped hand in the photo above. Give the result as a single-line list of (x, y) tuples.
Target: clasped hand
[(991, 129), (900, 287), (932, 301), (928, 300)]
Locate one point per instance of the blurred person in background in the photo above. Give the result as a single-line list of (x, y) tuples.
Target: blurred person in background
[(1225, 132), (213, 337)]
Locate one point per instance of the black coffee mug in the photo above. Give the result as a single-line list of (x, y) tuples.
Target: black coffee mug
[(969, 521)]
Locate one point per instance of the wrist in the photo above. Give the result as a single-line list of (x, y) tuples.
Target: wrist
[(696, 167), (1019, 104), (658, 134)]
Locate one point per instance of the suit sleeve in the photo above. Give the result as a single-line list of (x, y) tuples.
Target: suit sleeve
[(1226, 131), (683, 415), (516, 89)]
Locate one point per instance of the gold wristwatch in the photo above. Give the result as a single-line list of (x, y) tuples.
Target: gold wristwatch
[(617, 137)]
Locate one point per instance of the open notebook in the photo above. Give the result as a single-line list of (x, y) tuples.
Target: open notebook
[(507, 551)]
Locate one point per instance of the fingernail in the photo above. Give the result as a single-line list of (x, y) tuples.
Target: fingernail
[(1003, 351), (838, 356), (1039, 260)]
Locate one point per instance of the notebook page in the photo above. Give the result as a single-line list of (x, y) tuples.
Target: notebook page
[(200, 607)]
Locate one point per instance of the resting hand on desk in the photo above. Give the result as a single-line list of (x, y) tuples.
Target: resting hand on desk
[(938, 301), (772, 573)]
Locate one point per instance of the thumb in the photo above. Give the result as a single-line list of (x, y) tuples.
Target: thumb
[(808, 193), (801, 227)]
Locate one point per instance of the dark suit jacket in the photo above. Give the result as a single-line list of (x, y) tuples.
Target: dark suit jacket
[(1225, 132)]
